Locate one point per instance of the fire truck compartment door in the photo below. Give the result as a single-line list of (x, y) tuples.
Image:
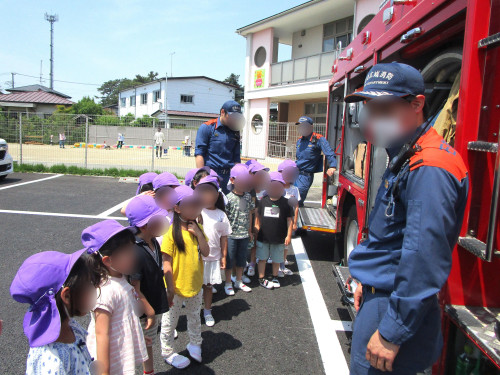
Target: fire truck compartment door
[(317, 219)]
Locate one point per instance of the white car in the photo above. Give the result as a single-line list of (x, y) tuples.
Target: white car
[(6, 161)]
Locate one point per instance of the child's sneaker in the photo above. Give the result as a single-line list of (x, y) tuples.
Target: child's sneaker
[(275, 282), (242, 286), (244, 278), (287, 271), (209, 320), (251, 271), (194, 351), (289, 263), (269, 261), (178, 361), (266, 283), (228, 288), (175, 334), (281, 274)]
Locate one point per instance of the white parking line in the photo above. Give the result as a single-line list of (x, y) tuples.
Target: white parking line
[(342, 325), (60, 214), (113, 209), (31, 182), (334, 361)]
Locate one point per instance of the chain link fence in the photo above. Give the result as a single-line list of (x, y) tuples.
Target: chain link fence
[(283, 138), (99, 141)]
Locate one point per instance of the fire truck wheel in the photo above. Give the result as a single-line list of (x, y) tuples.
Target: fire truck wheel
[(350, 233)]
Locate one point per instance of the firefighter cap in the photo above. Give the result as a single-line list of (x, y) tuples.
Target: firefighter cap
[(390, 80)]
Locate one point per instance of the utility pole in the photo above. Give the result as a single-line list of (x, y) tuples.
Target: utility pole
[(171, 55), (41, 64), (51, 18), (12, 83)]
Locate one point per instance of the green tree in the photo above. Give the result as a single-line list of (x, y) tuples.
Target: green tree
[(87, 106), (239, 92), (109, 90)]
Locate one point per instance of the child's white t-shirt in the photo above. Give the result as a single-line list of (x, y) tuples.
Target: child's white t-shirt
[(215, 225), (292, 191)]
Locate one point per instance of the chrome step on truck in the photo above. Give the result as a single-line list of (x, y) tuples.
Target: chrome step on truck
[(342, 276), (317, 219)]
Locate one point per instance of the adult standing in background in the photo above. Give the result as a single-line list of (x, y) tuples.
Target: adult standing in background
[(309, 159), (159, 139), (187, 145), (121, 139), (218, 142), (62, 139)]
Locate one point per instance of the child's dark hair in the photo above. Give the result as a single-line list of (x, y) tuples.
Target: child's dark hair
[(115, 243), (198, 176), (146, 187), (78, 280), (177, 232)]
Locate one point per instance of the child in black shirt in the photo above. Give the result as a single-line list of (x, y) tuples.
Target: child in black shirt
[(274, 223)]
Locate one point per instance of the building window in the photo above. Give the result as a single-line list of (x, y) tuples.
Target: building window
[(186, 98), (316, 111), (335, 32), (144, 98), (132, 101), (123, 102), (156, 95)]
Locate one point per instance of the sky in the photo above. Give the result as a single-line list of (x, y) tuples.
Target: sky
[(96, 41)]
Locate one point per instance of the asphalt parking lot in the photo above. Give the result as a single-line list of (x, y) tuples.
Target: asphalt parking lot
[(300, 328)]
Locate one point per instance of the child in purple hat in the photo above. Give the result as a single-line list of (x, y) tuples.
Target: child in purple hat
[(115, 337), (289, 172), (216, 227), (274, 223), (195, 175), (239, 209), (57, 286), (165, 197), (147, 279), (183, 268), (145, 186)]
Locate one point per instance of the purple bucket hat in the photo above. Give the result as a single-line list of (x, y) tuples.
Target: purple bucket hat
[(276, 176), (239, 171), (145, 178), (37, 282), (185, 193), (165, 179), (95, 236), (286, 164), (141, 209), (256, 167), (190, 175), (214, 174), (209, 180)]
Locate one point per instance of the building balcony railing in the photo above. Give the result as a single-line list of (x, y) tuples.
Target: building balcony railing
[(309, 68)]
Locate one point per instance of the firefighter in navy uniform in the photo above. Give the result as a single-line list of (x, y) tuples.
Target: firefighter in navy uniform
[(310, 145), (412, 228), (218, 142)]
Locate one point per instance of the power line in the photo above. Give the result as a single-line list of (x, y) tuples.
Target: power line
[(57, 80)]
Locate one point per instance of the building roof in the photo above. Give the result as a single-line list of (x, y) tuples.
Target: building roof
[(181, 78), (186, 114), (31, 88), (37, 97), (304, 16)]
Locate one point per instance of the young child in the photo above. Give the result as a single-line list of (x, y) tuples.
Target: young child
[(195, 175), (238, 210), (274, 223), (289, 172), (147, 279), (115, 337), (165, 197), (145, 186), (216, 227), (260, 180), (57, 286), (183, 268)]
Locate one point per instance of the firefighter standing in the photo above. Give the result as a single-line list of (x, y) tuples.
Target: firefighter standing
[(218, 142), (413, 228), (309, 160)]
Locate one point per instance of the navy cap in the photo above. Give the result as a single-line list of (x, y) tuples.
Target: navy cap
[(304, 119), (231, 106), (390, 80)]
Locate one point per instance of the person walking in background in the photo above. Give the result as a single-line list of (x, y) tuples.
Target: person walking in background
[(187, 145), (159, 139), (52, 139), (121, 139), (62, 139)]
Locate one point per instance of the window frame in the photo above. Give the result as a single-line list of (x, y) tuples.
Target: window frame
[(144, 95), (186, 96), (132, 98), (348, 32), (123, 102), (156, 96)]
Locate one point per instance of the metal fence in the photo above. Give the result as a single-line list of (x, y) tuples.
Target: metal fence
[(283, 138), (94, 141)]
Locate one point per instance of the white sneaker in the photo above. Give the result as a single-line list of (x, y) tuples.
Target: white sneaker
[(175, 334), (269, 261), (287, 271), (287, 263), (246, 279), (178, 361), (243, 287), (228, 288), (214, 290), (251, 271), (209, 320), (266, 284), (281, 274), (233, 278), (194, 352), (275, 282)]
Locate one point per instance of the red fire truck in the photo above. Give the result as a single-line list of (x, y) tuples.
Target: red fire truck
[(450, 41)]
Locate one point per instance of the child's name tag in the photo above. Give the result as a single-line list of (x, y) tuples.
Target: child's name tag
[(272, 212)]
